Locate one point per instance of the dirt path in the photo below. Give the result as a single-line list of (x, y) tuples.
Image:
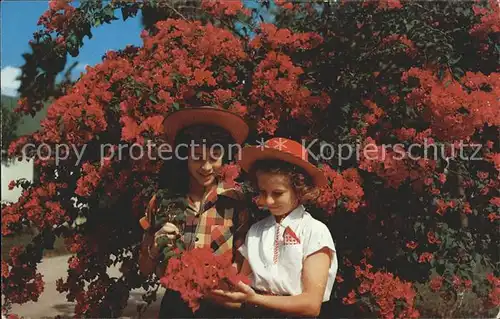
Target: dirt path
[(51, 303)]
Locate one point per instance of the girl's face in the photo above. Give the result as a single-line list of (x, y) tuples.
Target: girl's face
[(203, 164), (276, 193)]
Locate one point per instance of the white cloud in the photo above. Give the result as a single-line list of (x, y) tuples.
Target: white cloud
[(10, 84)]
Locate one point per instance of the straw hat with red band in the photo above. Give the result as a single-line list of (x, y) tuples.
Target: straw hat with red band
[(232, 123), (280, 148)]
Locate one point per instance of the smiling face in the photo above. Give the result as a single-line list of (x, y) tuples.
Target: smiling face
[(276, 193), (203, 164)]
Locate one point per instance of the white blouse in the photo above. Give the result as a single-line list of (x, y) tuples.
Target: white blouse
[(276, 254)]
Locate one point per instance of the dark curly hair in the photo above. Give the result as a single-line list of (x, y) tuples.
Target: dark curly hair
[(300, 180)]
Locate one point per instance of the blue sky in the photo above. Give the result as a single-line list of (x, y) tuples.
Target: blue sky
[(19, 21)]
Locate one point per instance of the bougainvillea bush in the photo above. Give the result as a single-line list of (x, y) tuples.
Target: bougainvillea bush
[(416, 234)]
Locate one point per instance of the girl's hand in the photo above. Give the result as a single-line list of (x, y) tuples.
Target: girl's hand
[(170, 231), (243, 293)]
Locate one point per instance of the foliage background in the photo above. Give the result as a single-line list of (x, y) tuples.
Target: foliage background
[(414, 237)]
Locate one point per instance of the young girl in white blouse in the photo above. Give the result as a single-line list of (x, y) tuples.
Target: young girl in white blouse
[(289, 256)]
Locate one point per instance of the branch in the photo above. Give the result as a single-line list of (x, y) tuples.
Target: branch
[(175, 10)]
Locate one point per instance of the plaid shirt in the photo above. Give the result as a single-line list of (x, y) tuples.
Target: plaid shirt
[(221, 223)]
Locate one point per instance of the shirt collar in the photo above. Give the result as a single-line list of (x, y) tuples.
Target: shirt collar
[(210, 198), (289, 220)]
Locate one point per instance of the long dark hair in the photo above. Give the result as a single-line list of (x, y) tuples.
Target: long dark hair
[(174, 174)]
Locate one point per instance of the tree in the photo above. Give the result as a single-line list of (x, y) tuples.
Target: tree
[(410, 228), (10, 121)]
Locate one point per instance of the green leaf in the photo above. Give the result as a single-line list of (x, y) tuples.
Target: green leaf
[(458, 73), (433, 262), (450, 267), (153, 99), (454, 60), (478, 258), (165, 202), (440, 74), (109, 14), (180, 245), (125, 14), (162, 241), (168, 253), (417, 226), (72, 39), (179, 217)]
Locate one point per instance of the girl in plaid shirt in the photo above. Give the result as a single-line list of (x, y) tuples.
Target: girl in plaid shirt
[(289, 256), (215, 216)]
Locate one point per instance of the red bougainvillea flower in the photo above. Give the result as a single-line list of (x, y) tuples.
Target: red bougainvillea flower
[(198, 271), (350, 299), (494, 295), (425, 257), (277, 86), (410, 48), (453, 110), (339, 279), (228, 173), (412, 245), (31, 286), (12, 184), (394, 164), (387, 290), (442, 206), (467, 208), (389, 4), (345, 186), (436, 283), (277, 78), (490, 20), (5, 269), (492, 217), (223, 9), (495, 201), (431, 237), (269, 35)]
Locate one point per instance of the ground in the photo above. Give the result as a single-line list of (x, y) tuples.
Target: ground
[(51, 303)]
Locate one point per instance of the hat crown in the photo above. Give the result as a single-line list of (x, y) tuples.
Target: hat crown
[(288, 146), (280, 148), (207, 115)]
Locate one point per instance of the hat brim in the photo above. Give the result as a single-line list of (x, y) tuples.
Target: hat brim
[(251, 154), (234, 124)]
